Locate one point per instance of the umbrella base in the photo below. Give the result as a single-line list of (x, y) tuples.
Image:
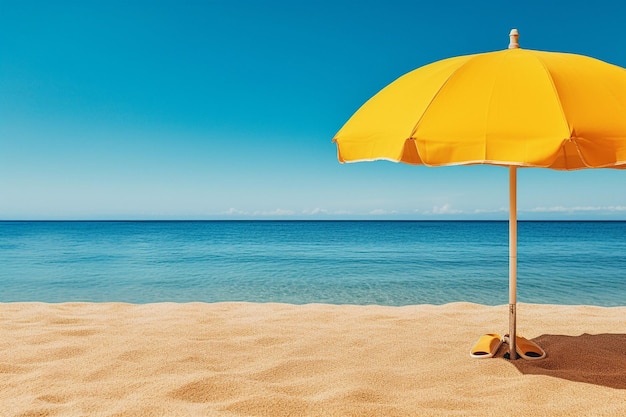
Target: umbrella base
[(524, 348), (489, 345)]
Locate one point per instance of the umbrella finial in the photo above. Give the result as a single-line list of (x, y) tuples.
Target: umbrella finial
[(514, 36)]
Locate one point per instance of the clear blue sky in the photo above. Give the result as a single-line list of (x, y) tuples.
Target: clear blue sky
[(226, 109)]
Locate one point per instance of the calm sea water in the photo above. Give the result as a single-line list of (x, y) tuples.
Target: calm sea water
[(388, 263)]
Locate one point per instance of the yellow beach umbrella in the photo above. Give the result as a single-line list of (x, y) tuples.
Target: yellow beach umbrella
[(514, 108)]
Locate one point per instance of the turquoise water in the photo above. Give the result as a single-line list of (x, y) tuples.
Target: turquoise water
[(360, 262)]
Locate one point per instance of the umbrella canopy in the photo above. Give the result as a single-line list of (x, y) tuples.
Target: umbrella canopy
[(515, 108)]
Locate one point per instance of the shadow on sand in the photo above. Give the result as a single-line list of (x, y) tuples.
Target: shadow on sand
[(598, 359)]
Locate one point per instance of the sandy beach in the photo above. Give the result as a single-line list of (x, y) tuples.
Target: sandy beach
[(245, 359)]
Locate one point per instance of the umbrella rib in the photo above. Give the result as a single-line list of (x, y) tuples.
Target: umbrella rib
[(566, 122), (556, 94), (443, 85), (488, 113)]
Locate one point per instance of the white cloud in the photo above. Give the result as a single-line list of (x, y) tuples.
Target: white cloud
[(259, 213), (488, 211), (234, 212), (577, 209), (445, 209), (289, 213), (315, 211), (276, 212), (382, 212)]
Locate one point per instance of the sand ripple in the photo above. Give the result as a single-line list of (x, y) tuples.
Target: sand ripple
[(244, 359)]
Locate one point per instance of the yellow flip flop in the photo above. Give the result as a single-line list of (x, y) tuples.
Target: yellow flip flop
[(487, 346), (527, 349)]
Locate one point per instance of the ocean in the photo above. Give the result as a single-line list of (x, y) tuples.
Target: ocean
[(337, 262)]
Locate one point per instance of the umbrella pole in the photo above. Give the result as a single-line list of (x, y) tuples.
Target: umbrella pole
[(512, 261)]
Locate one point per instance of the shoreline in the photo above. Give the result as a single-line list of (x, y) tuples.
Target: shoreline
[(271, 359)]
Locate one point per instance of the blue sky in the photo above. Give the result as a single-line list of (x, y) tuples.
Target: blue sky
[(226, 109)]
